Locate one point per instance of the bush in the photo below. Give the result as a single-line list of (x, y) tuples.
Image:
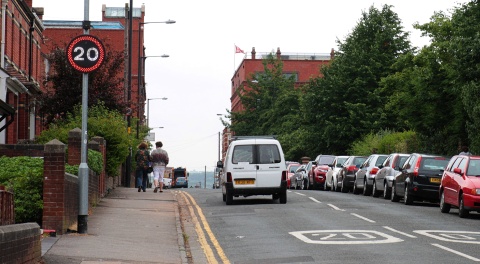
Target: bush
[(386, 142), (95, 163), (24, 177)]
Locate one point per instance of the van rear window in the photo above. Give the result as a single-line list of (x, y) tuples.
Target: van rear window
[(256, 154)]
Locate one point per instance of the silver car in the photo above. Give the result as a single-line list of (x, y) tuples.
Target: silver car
[(331, 176), (297, 181), (382, 182), (365, 174)]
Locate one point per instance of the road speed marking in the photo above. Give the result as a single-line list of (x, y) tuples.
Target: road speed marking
[(456, 252), (344, 237), (466, 237)]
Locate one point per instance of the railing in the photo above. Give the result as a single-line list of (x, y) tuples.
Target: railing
[(7, 215)]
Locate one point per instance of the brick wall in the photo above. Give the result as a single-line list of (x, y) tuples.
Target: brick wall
[(7, 213), (21, 150), (20, 243)]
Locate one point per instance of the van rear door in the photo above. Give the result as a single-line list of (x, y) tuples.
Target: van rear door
[(269, 165), (244, 171)]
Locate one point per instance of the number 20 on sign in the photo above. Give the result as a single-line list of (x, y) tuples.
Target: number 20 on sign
[(85, 53)]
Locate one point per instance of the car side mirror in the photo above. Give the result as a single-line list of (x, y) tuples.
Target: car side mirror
[(219, 164), (314, 163), (457, 171)]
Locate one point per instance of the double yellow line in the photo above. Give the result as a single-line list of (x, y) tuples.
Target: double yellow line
[(209, 253)]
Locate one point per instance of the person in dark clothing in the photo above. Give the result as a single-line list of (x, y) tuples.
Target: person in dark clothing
[(142, 157)]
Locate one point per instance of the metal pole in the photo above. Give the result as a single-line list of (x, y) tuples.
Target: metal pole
[(83, 169), (148, 113), (129, 91)]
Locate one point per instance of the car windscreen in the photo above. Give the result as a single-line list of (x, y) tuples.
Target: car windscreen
[(293, 168), (380, 160), (359, 161), (474, 167), (325, 160)]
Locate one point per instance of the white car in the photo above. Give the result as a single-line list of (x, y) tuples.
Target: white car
[(167, 183), (331, 176)]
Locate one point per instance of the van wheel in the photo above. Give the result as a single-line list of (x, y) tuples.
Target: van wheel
[(394, 197), (283, 197), (462, 212), (229, 197), (444, 207)]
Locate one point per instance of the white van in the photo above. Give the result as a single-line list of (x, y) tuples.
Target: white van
[(254, 166)]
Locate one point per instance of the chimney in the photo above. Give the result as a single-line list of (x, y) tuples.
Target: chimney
[(332, 54), (253, 53), (278, 53)]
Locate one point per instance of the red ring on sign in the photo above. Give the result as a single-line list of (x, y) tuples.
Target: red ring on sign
[(91, 40)]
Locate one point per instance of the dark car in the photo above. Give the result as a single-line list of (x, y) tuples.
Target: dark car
[(318, 173), (367, 171), (382, 182), (419, 178), (460, 185), (346, 176), (181, 182)]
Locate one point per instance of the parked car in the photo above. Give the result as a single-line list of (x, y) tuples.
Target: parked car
[(181, 182), (365, 174), (318, 173), (382, 182), (460, 185), (346, 176), (167, 183), (291, 168), (308, 169), (331, 177), (419, 178), (299, 178)]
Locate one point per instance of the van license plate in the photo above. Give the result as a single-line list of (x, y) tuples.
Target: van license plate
[(244, 181), (435, 180)]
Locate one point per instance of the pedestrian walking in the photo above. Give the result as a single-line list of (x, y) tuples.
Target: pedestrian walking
[(159, 159), (142, 157)]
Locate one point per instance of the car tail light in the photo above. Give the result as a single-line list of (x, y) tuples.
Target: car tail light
[(417, 166), (229, 177), (284, 175), (374, 171), (352, 168)]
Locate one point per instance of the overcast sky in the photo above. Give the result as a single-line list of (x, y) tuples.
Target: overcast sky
[(196, 77)]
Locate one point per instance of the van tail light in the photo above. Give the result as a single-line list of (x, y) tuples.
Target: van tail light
[(284, 175), (417, 167), (352, 168), (374, 171), (229, 177)]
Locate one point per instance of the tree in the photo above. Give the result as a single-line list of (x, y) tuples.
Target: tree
[(64, 86), (345, 104)]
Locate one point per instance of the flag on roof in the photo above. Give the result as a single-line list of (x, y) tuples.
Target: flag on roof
[(238, 50)]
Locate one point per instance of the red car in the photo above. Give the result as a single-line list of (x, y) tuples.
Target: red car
[(291, 168), (460, 185), (318, 173)]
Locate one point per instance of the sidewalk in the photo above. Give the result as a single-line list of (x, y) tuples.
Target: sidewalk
[(125, 227)]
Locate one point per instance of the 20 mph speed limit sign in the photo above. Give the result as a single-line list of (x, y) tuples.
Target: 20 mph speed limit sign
[(85, 53)]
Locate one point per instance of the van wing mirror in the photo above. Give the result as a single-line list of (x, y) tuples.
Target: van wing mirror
[(219, 164)]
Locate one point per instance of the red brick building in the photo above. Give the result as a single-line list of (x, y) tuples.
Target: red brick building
[(301, 65), (28, 38), (20, 70)]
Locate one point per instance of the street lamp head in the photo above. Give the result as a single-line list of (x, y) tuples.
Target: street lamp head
[(171, 21)]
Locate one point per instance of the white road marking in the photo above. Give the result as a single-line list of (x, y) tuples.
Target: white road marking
[(399, 232), (336, 208), (364, 218), (456, 252), (344, 237), (315, 200), (300, 194), (466, 237)]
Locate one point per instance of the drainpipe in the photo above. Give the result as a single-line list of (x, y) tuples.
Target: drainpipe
[(3, 81), (2, 48)]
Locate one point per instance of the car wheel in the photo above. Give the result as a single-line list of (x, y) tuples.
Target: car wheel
[(306, 184), (386, 193), (374, 189), (333, 188), (344, 188), (315, 185), (283, 196), (407, 199), (355, 188), (462, 212), (224, 196), (444, 207), (229, 197), (394, 197), (366, 190)]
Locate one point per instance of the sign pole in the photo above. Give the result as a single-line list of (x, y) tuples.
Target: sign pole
[(83, 170)]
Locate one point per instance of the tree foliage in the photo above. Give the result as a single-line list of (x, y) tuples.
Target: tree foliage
[(64, 85)]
